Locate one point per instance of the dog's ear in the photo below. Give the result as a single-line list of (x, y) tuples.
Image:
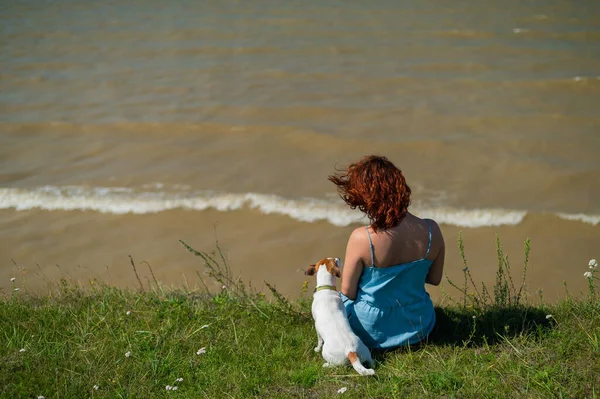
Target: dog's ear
[(311, 270), (336, 271)]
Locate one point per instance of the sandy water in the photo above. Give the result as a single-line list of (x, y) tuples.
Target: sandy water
[(126, 127)]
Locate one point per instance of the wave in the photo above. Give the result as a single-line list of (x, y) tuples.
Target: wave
[(121, 200), (580, 217)]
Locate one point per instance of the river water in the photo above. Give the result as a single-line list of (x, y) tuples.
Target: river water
[(127, 126)]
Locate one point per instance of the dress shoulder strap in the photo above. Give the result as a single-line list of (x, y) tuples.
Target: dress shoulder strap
[(371, 246), (430, 237)]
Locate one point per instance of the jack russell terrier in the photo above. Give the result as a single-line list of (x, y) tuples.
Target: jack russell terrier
[(340, 345)]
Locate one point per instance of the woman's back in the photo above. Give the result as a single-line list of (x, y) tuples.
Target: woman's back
[(400, 276), (409, 241), (412, 240), (392, 307)]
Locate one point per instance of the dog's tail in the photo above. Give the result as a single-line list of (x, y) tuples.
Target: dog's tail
[(360, 369)]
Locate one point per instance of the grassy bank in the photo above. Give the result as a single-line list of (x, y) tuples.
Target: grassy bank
[(109, 343)]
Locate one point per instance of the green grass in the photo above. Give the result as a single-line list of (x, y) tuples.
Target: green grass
[(258, 346)]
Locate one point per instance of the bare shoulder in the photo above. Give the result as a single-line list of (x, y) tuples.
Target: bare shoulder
[(358, 235), (435, 227), (436, 232), (357, 250), (358, 242)]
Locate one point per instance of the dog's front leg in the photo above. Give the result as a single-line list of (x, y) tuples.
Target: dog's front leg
[(319, 342)]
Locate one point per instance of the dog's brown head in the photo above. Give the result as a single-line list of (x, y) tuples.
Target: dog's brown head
[(331, 264)]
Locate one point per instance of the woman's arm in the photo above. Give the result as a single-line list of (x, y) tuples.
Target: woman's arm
[(353, 264), (436, 270)]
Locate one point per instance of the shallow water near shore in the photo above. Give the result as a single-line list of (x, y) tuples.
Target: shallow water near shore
[(126, 127), (271, 248)]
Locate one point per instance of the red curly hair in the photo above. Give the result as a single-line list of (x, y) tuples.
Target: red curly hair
[(376, 187)]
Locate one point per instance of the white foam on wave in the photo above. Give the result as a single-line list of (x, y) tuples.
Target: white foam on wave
[(120, 200), (581, 217), (473, 217)]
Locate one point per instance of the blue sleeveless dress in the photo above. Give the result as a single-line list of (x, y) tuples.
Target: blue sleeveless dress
[(392, 307)]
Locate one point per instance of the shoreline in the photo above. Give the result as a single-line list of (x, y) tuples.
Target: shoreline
[(268, 248)]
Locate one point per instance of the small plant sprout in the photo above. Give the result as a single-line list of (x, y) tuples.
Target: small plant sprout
[(201, 351), (304, 286), (127, 354), (342, 390), (593, 264)]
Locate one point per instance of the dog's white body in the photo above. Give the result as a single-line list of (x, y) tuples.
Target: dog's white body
[(338, 342)]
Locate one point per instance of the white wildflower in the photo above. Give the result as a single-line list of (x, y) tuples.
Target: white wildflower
[(205, 326), (179, 380), (168, 387), (549, 316), (342, 390), (201, 351), (587, 274), (593, 264), (224, 287), (128, 312), (96, 387), (12, 280), (17, 289), (175, 387), (41, 397), (577, 78), (127, 354), (22, 350)]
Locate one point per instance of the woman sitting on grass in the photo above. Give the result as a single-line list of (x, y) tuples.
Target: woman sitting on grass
[(388, 262)]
